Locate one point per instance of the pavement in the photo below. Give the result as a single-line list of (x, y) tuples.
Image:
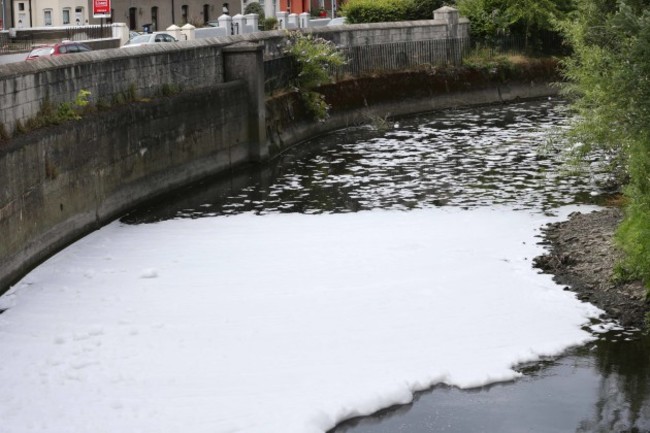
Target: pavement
[(12, 58)]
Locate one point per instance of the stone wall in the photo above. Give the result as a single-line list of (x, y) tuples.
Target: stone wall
[(107, 74), (59, 183), (146, 70)]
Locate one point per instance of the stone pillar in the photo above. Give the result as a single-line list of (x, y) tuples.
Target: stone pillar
[(188, 30), (121, 32), (238, 23), (293, 21), (253, 21), (175, 31), (450, 16), (304, 20), (225, 21), (283, 19), (246, 63), (454, 45)]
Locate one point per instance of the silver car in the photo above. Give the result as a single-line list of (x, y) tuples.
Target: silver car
[(149, 38)]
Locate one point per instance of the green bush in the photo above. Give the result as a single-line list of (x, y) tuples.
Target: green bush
[(255, 8), (270, 23), (374, 11), (315, 58), (422, 9), (378, 11)]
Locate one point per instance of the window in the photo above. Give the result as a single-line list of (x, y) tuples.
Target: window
[(154, 19), (206, 14), (47, 17), (21, 6), (66, 16), (132, 18), (185, 13)]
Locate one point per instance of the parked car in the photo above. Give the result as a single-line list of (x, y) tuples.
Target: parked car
[(67, 47), (149, 38), (337, 21)]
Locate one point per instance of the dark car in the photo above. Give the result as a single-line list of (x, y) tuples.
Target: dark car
[(57, 49)]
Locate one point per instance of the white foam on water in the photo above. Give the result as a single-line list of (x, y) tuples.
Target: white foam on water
[(280, 323)]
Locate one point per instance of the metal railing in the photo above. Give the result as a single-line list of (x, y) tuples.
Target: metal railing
[(281, 72), (368, 59), (14, 45), (540, 44), (24, 39)]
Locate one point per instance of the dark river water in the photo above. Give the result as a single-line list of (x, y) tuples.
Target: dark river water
[(489, 156)]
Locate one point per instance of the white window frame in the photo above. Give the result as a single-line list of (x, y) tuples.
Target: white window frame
[(47, 13), (63, 13)]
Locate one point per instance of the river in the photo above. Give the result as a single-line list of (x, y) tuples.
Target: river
[(469, 157), (355, 271)]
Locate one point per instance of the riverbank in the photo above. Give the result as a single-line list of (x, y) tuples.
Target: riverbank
[(582, 255)]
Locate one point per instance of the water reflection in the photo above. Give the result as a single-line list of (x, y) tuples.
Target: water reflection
[(474, 157), (600, 388)]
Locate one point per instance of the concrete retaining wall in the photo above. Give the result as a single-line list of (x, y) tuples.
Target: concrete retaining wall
[(146, 70), (60, 183), (107, 74)]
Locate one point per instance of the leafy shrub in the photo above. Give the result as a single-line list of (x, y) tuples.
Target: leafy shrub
[(270, 23), (422, 9), (315, 57), (255, 8), (376, 11)]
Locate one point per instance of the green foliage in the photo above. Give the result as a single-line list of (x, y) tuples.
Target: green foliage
[(4, 135), (377, 11), (485, 60), (422, 9), (255, 8), (129, 95), (170, 89), (19, 128), (270, 23), (609, 79), (315, 58), (526, 18)]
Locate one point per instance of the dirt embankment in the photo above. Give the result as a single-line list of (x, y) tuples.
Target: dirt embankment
[(582, 256)]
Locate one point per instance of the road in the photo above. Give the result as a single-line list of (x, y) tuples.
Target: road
[(12, 58)]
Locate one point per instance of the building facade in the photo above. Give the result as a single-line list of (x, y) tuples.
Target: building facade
[(160, 14), (157, 14), (315, 7)]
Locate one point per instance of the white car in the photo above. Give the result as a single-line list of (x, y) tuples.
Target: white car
[(337, 21), (149, 38)]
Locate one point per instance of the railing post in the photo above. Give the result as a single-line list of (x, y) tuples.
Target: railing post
[(293, 21), (238, 22), (253, 20), (282, 19), (450, 16), (188, 30), (304, 20), (225, 21)]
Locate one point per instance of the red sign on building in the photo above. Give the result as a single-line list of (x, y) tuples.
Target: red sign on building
[(101, 8)]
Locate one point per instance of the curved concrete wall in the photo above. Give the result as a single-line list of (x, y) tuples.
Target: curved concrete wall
[(60, 183)]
